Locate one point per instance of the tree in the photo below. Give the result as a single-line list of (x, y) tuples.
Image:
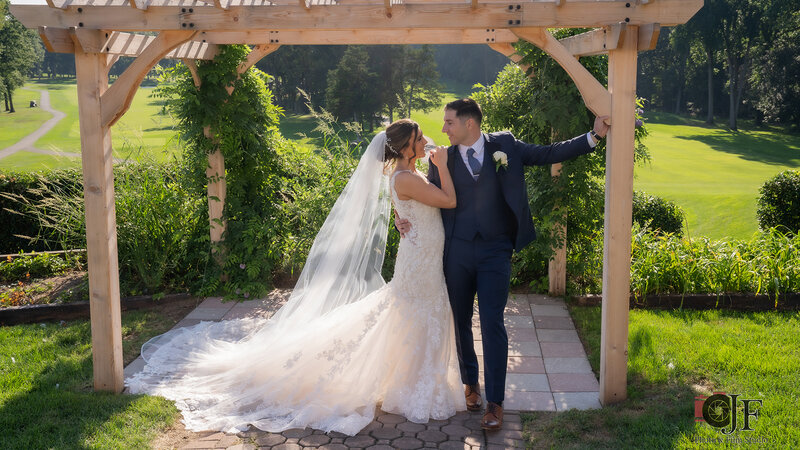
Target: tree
[(705, 25), (353, 88), (776, 70), (389, 63), (20, 50), (303, 67), (421, 89), (739, 31)]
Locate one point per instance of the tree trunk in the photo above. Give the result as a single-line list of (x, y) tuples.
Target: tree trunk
[(681, 83), (5, 98), (733, 76), (11, 101), (710, 115)]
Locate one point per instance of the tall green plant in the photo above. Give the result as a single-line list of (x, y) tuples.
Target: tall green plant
[(157, 217)]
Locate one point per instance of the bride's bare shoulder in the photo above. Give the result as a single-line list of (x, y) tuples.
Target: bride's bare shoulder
[(406, 182)]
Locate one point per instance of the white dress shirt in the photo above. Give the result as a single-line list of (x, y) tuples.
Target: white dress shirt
[(478, 147)]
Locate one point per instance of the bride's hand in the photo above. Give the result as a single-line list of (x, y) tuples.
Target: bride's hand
[(439, 156)]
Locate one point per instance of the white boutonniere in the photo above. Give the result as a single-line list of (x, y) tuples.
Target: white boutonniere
[(500, 160)]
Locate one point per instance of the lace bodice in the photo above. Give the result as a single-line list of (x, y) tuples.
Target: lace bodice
[(419, 254)]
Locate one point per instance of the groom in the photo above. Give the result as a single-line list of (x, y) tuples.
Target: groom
[(491, 220)]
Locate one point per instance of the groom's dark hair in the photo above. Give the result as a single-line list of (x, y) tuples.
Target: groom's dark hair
[(466, 108)]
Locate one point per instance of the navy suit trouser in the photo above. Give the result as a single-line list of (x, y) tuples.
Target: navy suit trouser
[(481, 266)]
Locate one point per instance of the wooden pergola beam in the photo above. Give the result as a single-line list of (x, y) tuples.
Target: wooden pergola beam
[(594, 94), (577, 13), (387, 36), (508, 50)]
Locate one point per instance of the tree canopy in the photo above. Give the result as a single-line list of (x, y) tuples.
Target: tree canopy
[(20, 50)]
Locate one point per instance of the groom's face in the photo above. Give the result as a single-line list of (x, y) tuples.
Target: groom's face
[(455, 128)]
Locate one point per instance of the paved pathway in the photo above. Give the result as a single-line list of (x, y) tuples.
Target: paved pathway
[(547, 371)]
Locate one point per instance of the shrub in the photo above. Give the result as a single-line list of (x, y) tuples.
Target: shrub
[(779, 203), (657, 214)]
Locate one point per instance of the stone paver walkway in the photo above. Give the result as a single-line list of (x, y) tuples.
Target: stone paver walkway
[(547, 371)]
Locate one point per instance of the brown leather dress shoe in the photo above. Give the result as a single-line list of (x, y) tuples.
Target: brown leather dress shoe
[(472, 392), (493, 419)]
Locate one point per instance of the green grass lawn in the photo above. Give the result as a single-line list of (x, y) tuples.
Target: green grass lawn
[(674, 356), (46, 394), (143, 133), (712, 173), (24, 121)]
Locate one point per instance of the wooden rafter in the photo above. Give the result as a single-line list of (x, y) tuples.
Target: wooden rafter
[(578, 13), (648, 36), (596, 41), (115, 43)]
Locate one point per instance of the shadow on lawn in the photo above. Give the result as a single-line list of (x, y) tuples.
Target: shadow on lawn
[(653, 416), (61, 410), (778, 149)]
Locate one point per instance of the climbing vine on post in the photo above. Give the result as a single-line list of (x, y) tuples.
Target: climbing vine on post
[(242, 124)]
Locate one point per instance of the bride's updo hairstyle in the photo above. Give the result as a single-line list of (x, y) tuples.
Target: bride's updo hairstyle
[(398, 135)]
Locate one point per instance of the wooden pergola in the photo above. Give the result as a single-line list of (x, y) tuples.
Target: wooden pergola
[(98, 32)]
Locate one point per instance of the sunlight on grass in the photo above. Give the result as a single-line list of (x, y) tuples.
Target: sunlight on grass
[(143, 125), (670, 354), (24, 121), (714, 174)]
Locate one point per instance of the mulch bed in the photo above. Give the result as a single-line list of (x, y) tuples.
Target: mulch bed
[(80, 310)]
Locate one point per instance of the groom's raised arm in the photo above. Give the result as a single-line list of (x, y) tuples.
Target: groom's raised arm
[(537, 155)]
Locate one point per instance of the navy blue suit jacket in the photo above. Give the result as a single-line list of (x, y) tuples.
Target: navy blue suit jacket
[(512, 178)]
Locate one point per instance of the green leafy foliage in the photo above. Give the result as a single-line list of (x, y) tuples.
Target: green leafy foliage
[(779, 203), (243, 126), (20, 50), (657, 214), (664, 263), (23, 268)]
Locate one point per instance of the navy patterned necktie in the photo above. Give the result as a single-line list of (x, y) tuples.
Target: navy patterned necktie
[(474, 164)]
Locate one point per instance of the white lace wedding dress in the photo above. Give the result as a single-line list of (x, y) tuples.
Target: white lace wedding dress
[(394, 348)]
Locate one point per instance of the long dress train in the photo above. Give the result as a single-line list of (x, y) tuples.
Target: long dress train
[(394, 348)]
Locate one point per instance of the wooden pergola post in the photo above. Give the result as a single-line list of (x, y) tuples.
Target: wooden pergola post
[(617, 220), (101, 222), (557, 267)]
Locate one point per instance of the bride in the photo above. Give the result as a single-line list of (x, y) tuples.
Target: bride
[(346, 341)]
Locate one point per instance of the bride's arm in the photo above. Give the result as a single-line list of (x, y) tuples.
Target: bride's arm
[(421, 190)]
